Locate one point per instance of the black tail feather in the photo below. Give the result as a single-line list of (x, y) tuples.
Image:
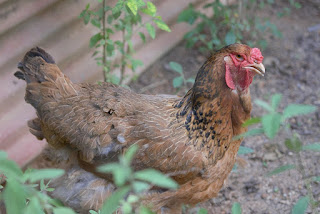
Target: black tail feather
[(29, 66), (34, 52)]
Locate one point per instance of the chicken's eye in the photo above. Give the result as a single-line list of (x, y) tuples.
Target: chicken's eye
[(239, 57)]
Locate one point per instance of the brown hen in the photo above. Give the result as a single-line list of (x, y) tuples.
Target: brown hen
[(188, 138)]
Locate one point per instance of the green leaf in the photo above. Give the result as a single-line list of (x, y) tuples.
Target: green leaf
[(157, 178), (177, 82), (189, 15), (112, 203), (203, 211), (140, 3), (312, 147), (316, 178), (190, 80), (10, 168), (162, 25), (14, 196), (230, 38), (86, 18), (236, 208), (251, 132), (145, 210), (301, 206), (114, 79), (151, 30), (120, 172), (133, 198), (271, 124), (126, 208), (3, 155), (135, 63), (251, 121), (38, 174), (130, 153), (152, 8), (110, 49), (244, 150), (275, 101), (54, 202), (108, 168), (143, 37), (139, 186), (63, 210), (146, 11), (132, 4), (264, 105), (94, 40), (96, 22), (293, 110), (176, 67), (293, 144), (281, 169), (87, 6), (34, 207), (116, 11)]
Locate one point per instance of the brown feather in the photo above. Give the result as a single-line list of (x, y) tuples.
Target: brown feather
[(188, 138)]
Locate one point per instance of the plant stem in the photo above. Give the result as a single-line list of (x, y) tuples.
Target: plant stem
[(123, 64), (104, 61)]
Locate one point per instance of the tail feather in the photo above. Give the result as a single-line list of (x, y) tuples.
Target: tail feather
[(43, 77), (30, 66)]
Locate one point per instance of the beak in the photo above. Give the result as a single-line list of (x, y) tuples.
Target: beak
[(257, 68)]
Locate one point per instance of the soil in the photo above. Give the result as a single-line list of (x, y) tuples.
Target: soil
[(292, 70)]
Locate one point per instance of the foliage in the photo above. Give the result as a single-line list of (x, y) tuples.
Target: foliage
[(230, 24), (20, 194), (271, 124), (135, 183), (124, 18), (275, 120), (179, 81), (236, 208)]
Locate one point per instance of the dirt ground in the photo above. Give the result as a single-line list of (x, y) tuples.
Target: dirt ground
[(292, 66)]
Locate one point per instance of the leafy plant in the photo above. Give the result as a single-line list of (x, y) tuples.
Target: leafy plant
[(121, 19), (133, 183), (270, 125), (19, 193), (229, 24), (275, 120), (236, 208), (179, 81)]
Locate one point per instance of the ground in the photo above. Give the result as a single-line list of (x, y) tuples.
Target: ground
[(292, 69)]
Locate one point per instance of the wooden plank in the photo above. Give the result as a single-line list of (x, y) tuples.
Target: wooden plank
[(14, 12), (37, 28)]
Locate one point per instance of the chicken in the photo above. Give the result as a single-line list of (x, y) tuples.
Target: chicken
[(188, 138)]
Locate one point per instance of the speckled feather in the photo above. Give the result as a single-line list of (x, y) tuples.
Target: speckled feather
[(188, 138)]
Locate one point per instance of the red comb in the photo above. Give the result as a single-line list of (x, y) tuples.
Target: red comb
[(256, 55)]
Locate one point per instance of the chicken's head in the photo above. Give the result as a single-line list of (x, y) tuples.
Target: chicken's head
[(242, 63)]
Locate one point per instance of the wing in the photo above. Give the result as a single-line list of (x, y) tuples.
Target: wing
[(101, 121)]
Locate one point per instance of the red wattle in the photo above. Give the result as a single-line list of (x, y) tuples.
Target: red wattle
[(229, 80)]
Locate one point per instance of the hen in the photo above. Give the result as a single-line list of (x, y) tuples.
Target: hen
[(188, 138)]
